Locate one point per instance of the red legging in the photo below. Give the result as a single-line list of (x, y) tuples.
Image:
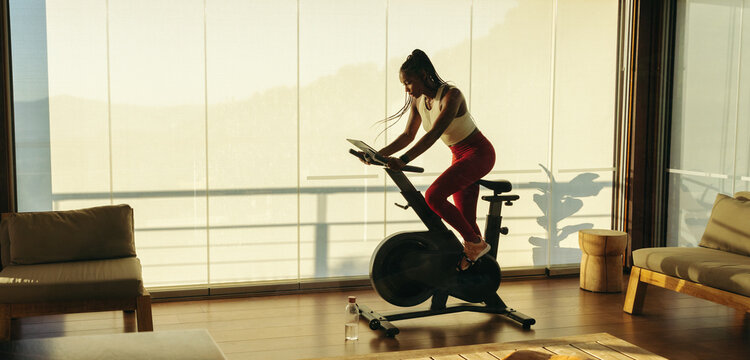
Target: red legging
[(473, 158)]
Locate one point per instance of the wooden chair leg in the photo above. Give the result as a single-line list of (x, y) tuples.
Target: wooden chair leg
[(636, 292), (143, 313), (4, 322)]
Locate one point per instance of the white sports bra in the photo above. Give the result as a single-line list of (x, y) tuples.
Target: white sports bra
[(461, 126)]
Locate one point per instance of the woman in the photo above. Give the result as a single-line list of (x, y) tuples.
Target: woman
[(442, 110)]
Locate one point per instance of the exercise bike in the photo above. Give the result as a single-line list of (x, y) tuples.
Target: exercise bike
[(407, 268)]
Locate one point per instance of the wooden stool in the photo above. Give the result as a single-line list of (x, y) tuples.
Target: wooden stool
[(601, 263)]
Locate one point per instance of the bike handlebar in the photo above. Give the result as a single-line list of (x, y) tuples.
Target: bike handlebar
[(379, 160)]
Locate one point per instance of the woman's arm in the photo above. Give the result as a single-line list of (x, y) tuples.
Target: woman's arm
[(450, 103), (403, 140)]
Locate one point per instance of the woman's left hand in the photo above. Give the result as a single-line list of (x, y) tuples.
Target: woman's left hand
[(395, 163)]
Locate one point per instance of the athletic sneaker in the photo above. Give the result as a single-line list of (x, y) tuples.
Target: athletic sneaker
[(476, 250)]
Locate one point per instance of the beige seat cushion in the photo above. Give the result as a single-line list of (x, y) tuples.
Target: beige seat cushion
[(728, 228), (718, 269), (104, 232), (97, 279)]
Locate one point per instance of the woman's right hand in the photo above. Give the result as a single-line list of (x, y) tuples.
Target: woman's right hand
[(364, 158)]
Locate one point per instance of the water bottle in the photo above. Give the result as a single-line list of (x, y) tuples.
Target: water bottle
[(352, 319)]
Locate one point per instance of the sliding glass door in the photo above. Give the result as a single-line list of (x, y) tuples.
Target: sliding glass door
[(710, 151), (223, 124)]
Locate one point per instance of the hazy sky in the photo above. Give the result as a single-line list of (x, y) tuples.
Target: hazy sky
[(29, 48), (164, 41)]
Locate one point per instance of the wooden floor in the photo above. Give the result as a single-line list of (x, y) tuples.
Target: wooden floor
[(673, 325)]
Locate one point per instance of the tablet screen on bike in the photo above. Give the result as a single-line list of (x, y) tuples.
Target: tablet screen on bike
[(367, 149)]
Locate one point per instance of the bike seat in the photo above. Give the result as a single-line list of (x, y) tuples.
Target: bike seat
[(498, 186)]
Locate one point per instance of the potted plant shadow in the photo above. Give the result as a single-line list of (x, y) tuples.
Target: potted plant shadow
[(558, 201)]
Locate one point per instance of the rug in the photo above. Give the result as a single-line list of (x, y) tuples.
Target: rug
[(586, 347)]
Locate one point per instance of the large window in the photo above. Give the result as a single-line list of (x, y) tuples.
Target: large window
[(223, 123), (710, 152)]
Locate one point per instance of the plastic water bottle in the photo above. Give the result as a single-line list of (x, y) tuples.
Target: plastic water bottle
[(352, 319)]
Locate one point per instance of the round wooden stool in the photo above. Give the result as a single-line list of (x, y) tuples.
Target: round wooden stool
[(601, 263)]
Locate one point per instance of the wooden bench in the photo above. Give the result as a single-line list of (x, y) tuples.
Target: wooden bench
[(60, 262), (718, 270)]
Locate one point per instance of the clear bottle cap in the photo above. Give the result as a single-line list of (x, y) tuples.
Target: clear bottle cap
[(352, 299)]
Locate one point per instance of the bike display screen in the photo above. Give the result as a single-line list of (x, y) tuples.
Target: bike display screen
[(368, 150)]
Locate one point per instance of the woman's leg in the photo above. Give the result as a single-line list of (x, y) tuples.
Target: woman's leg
[(451, 181), (470, 163), (466, 203)]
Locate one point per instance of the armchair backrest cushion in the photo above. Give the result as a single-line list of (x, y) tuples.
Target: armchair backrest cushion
[(104, 232), (728, 227)]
